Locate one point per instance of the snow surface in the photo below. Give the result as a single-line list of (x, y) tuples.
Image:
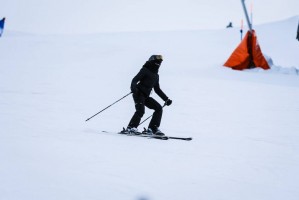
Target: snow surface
[(244, 124)]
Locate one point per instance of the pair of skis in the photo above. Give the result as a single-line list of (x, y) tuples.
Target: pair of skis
[(153, 136)]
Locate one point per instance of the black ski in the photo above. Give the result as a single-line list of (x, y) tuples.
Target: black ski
[(180, 138), (153, 136), (141, 135)]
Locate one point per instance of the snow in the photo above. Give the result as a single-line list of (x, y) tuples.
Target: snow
[(244, 124)]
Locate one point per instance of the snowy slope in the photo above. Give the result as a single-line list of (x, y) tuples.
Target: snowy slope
[(244, 124)]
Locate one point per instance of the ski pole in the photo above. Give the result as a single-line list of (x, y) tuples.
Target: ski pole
[(108, 106), (150, 116)]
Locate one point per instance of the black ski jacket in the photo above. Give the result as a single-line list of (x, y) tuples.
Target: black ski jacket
[(146, 80)]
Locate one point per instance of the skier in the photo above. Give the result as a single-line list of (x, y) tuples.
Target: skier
[(141, 87), (230, 25)]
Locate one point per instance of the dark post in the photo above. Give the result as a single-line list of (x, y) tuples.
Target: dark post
[(298, 32)]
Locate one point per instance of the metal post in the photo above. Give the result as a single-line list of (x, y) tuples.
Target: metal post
[(246, 15)]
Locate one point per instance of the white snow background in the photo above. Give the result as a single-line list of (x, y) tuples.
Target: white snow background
[(244, 124)]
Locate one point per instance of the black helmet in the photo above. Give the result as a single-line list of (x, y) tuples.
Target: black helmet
[(155, 57)]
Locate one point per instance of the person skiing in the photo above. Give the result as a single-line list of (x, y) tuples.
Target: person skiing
[(141, 87), (230, 25)]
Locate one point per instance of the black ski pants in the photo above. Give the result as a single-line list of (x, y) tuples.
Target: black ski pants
[(140, 102)]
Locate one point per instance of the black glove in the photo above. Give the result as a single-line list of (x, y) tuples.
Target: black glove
[(168, 102)]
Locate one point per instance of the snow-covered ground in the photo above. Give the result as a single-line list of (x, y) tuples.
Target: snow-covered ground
[(244, 124)]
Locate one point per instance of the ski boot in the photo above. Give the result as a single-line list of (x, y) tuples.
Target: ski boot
[(130, 131), (155, 131)]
